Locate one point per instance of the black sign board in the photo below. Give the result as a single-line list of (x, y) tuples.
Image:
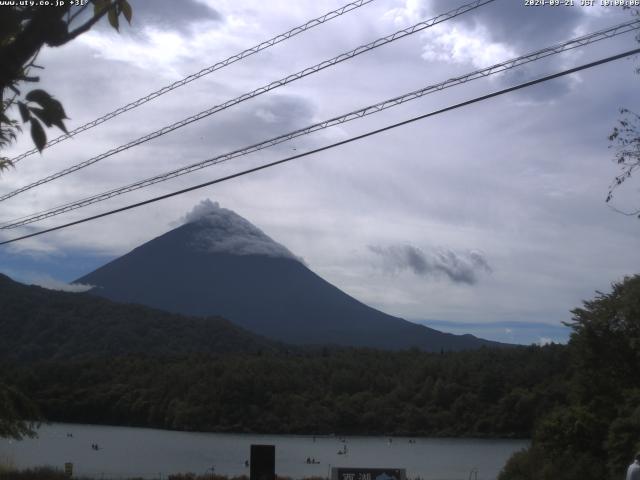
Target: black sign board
[(368, 474), (263, 462)]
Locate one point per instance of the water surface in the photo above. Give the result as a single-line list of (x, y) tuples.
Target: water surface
[(150, 453)]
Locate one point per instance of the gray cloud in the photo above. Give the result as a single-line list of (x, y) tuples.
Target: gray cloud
[(513, 23), (503, 29), (459, 267), (246, 124), (160, 14), (165, 14), (225, 231), (541, 92)]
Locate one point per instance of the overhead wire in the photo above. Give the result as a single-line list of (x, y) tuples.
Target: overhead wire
[(254, 93), (369, 110), (205, 71), (333, 145)]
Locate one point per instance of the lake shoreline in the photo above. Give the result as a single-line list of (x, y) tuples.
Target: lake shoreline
[(122, 452), (439, 435)]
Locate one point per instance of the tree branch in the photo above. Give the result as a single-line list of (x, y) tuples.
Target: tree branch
[(90, 23), (27, 43), (622, 212)]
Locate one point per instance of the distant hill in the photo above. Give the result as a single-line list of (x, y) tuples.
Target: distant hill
[(514, 332), (36, 324), (220, 264)]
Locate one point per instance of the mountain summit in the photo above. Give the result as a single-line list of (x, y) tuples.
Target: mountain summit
[(218, 263), (220, 230)]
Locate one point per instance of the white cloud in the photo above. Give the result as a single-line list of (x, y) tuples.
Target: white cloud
[(50, 283), (459, 45), (223, 231), (159, 47)]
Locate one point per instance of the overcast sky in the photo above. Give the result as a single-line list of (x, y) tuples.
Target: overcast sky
[(490, 213)]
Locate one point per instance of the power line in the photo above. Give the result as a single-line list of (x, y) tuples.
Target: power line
[(369, 110), (333, 145), (259, 91), (205, 71)]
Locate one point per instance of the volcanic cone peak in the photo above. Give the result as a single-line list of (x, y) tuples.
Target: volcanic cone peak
[(219, 264), (220, 230)]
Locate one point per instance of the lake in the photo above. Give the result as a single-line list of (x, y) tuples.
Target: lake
[(153, 453)]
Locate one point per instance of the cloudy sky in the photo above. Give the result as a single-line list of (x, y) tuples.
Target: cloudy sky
[(489, 218)]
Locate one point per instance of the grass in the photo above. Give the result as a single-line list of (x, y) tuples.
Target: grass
[(40, 473), (48, 473), (6, 465)]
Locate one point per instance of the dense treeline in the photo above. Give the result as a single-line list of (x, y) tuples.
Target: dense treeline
[(477, 393), (595, 435)]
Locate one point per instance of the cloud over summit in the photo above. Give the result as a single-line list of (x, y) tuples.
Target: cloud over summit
[(224, 231)]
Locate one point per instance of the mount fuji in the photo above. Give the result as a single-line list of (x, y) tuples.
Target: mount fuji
[(218, 263)]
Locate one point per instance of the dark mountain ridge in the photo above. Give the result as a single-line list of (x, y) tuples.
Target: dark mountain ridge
[(41, 324), (220, 264)]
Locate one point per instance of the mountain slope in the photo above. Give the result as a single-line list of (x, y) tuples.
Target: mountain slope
[(219, 263), (36, 324)]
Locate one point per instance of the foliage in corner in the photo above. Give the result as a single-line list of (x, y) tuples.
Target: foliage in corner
[(625, 140), (24, 30), (595, 435)]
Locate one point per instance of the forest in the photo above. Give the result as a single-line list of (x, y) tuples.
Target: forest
[(345, 391)]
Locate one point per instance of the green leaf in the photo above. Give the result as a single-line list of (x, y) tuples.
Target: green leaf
[(56, 109), (126, 10), (113, 18), (47, 102), (38, 96), (24, 112), (99, 6), (5, 163), (37, 134), (50, 117), (43, 115), (60, 124)]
